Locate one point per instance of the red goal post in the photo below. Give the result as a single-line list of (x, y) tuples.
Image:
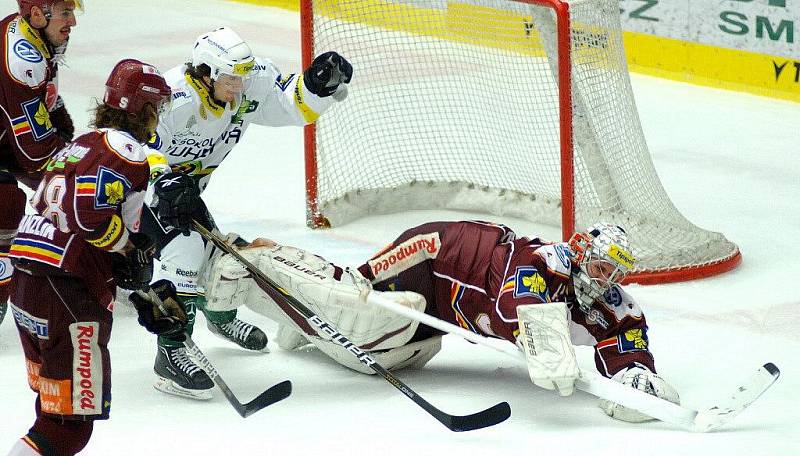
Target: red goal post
[(512, 107)]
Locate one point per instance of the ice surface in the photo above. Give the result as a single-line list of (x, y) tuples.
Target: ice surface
[(728, 160)]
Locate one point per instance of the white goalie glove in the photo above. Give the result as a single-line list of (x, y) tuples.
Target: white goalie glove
[(544, 338), (643, 379), (338, 296)]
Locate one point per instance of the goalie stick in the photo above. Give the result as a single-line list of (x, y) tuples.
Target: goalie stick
[(593, 383), (457, 423), (272, 395)]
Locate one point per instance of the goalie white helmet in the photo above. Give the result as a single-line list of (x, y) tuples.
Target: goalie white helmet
[(604, 258), (224, 52)]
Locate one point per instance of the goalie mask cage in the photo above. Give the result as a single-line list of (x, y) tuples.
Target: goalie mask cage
[(520, 108)]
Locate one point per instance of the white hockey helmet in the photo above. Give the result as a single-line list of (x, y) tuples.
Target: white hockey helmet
[(604, 258), (224, 52)]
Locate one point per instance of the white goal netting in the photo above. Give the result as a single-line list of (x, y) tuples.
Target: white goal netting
[(455, 104)]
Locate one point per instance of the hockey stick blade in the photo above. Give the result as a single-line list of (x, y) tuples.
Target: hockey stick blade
[(270, 396), (274, 394), (593, 383), (489, 417), (739, 400)]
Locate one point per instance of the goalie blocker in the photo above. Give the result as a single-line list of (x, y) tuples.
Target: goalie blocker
[(337, 295)]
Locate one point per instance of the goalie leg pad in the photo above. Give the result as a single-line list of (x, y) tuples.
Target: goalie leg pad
[(288, 338), (413, 355), (545, 340), (337, 295), (221, 273)]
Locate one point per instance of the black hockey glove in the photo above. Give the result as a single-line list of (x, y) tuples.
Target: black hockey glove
[(326, 72), (134, 270), (165, 318), (177, 200), (61, 119)]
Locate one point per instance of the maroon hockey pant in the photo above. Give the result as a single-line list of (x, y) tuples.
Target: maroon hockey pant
[(64, 335)]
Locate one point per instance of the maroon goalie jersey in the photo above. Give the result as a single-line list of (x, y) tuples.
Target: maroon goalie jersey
[(28, 92), (89, 200), (476, 274)]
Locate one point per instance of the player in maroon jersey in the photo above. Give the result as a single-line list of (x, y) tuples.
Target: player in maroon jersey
[(70, 255), (34, 122), (476, 275)]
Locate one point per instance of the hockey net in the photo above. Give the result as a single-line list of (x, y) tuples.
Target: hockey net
[(498, 106)]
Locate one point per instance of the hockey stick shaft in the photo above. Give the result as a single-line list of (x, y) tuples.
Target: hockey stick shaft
[(611, 390), (485, 418), (270, 396)]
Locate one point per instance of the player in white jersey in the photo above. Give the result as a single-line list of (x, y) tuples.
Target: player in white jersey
[(215, 97)]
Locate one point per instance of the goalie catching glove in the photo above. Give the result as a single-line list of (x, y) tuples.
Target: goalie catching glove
[(165, 318), (640, 377)]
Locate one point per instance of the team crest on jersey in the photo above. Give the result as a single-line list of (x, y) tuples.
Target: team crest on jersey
[(25, 50), (283, 83), (154, 142), (111, 188), (246, 107), (633, 340), (36, 120), (528, 282)]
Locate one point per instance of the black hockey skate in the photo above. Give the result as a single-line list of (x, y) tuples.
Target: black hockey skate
[(3, 310), (242, 334), (180, 376)]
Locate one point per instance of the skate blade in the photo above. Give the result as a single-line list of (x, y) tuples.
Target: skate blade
[(168, 386)]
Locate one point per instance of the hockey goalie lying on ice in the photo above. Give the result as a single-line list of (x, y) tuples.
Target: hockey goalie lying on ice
[(477, 275)]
